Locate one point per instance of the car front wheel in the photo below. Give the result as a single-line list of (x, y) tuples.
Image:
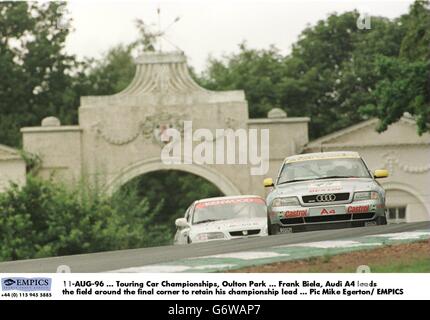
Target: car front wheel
[(381, 221), (273, 229)]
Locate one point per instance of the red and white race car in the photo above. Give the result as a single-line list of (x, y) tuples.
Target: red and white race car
[(222, 218)]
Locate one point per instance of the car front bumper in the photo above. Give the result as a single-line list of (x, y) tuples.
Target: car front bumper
[(327, 216), (236, 234)]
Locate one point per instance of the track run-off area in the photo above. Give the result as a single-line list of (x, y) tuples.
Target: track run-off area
[(227, 255)]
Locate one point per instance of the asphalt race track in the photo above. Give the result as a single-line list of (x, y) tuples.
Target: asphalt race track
[(113, 260)]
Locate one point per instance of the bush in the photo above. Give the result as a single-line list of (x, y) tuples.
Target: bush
[(44, 219)]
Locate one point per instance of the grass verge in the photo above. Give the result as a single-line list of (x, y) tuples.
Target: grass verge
[(407, 257)]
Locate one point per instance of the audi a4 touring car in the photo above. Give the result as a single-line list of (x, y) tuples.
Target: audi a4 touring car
[(222, 218), (325, 190)]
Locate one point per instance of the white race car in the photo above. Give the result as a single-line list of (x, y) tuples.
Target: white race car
[(222, 218)]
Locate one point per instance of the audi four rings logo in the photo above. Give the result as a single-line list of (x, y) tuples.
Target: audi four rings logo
[(326, 197)]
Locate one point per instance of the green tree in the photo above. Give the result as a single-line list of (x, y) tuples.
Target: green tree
[(404, 80), (36, 72), (416, 43), (327, 76), (258, 72), (45, 219), (405, 88), (358, 75), (170, 193), (336, 72), (109, 75)]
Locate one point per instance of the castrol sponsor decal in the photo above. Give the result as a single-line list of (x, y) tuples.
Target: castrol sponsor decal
[(295, 213), (358, 209)]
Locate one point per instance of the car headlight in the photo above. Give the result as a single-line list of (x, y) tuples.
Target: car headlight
[(210, 236), (284, 202), (366, 195)]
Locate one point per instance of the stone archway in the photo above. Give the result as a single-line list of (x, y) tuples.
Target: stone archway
[(155, 164), (400, 194), (119, 136)]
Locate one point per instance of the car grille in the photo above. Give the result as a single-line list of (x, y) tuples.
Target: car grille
[(366, 215), (327, 197), (334, 217), (248, 233), (329, 218), (292, 221)]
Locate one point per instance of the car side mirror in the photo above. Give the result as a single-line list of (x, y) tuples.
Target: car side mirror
[(380, 173), (268, 182), (182, 223)]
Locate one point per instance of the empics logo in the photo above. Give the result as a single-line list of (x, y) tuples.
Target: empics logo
[(9, 282), (26, 284)]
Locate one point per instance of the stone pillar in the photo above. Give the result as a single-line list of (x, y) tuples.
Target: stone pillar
[(288, 136), (58, 147), (12, 168)]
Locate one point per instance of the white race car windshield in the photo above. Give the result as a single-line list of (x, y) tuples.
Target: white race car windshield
[(229, 209), (323, 169)]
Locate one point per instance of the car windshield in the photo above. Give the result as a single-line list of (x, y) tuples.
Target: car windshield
[(323, 169), (227, 209)]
